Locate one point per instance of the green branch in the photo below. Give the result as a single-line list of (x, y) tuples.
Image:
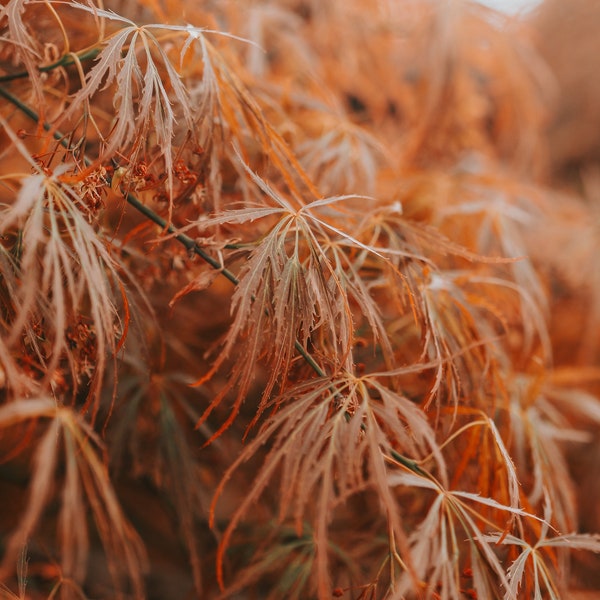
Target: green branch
[(63, 61)]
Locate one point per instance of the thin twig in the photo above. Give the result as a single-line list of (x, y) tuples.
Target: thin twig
[(63, 61)]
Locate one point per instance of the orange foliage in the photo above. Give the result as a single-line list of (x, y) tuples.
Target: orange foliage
[(298, 299)]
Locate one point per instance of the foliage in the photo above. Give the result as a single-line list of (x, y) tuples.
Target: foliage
[(274, 318)]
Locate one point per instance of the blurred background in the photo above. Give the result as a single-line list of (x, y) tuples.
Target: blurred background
[(511, 6)]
